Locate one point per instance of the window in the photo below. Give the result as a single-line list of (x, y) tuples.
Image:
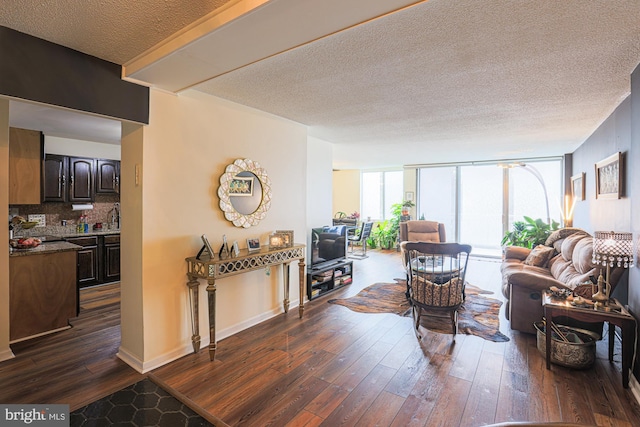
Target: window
[(380, 190), (470, 200)]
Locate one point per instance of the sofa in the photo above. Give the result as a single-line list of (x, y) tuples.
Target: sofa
[(564, 261)]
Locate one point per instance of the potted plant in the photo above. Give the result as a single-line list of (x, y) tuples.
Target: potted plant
[(406, 205), (529, 233)]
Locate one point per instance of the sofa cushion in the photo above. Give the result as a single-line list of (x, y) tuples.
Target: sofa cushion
[(569, 245), (561, 234), (539, 256), (583, 255)]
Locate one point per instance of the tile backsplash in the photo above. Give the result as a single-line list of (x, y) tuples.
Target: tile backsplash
[(55, 213)]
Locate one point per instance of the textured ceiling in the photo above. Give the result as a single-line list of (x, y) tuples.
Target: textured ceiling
[(114, 30), (447, 81), (440, 81)]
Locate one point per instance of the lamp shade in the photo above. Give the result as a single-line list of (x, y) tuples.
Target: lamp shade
[(612, 248)]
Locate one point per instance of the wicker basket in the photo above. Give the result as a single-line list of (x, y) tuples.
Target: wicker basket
[(569, 354)]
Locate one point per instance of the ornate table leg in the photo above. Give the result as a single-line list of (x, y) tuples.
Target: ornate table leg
[(193, 299), (211, 292), (303, 285), (285, 278)]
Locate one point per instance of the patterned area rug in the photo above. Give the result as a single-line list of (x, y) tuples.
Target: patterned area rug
[(479, 315)]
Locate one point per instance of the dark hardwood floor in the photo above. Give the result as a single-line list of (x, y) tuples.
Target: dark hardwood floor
[(333, 367)]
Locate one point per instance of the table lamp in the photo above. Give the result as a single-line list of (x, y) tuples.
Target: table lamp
[(610, 249)]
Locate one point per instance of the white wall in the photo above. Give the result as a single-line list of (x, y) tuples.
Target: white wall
[(319, 184), (346, 191), (190, 140), (79, 148)]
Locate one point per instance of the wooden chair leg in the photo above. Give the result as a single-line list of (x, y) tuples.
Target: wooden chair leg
[(454, 322), (417, 311)]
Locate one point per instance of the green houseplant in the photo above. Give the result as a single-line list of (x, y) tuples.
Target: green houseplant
[(529, 233)]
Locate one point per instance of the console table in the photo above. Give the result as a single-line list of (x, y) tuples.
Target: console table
[(621, 318), (212, 269)]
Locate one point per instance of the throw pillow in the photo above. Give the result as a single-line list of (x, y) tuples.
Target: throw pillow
[(539, 256)]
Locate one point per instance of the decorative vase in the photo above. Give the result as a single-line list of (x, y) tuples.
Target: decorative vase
[(602, 296)]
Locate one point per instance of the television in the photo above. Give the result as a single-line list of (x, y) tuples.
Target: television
[(328, 246)]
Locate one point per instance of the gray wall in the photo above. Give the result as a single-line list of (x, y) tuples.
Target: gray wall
[(613, 135), (619, 132), (634, 190)]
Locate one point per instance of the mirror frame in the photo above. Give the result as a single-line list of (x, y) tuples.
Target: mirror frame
[(230, 213)]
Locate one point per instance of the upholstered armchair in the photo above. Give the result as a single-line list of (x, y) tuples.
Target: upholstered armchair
[(422, 231)]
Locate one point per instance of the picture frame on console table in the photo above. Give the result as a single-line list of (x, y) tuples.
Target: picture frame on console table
[(253, 244), (609, 177), (281, 239), (577, 187), (288, 239)]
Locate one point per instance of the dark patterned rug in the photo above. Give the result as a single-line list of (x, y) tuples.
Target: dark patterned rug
[(479, 315), (141, 404)]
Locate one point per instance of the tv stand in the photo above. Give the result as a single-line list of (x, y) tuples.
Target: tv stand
[(328, 278)]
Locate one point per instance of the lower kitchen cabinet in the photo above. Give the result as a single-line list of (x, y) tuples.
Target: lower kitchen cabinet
[(111, 258), (88, 268), (98, 260)]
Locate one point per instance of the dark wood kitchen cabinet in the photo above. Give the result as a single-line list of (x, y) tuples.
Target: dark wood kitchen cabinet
[(68, 179), (111, 255), (98, 260), (107, 176), (54, 181), (88, 266), (81, 176)]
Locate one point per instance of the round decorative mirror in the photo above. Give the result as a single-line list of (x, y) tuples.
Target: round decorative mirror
[(245, 193)]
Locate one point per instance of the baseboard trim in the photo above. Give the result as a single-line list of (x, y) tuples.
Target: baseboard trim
[(187, 348), (634, 387), (6, 355), (130, 359)]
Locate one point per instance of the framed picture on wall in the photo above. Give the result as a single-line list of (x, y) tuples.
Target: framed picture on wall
[(577, 187), (609, 182)]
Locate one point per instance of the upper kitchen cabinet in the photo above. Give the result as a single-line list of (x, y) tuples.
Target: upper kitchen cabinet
[(107, 176), (81, 175), (26, 149), (68, 179), (54, 184)]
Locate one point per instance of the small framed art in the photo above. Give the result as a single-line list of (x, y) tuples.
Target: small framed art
[(241, 186), (609, 173), (577, 187), (288, 237), (279, 240), (253, 244)]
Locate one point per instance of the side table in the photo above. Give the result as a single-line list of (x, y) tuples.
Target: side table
[(554, 307)]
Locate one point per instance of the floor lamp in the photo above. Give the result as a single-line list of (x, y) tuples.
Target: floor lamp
[(535, 172)]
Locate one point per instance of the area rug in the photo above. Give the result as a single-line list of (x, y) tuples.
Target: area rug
[(144, 403), (479, 315)]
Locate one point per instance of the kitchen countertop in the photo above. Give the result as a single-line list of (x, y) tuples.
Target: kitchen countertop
[(45, 248)]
